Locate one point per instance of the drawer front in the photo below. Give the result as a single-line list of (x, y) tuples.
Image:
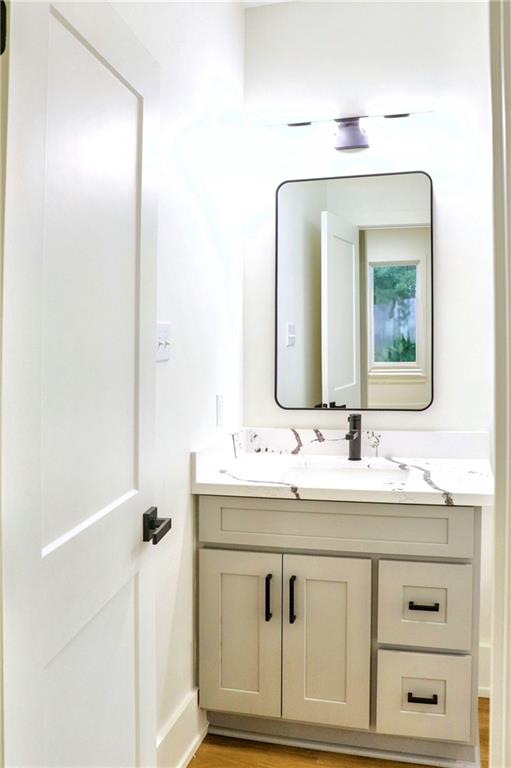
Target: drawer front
[(424, 695), (407, 529), (425, 605)]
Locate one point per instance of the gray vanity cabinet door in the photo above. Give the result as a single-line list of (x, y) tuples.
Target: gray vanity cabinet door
[(240, 624), (326, 640)]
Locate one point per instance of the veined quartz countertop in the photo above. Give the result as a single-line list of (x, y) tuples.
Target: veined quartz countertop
[(313, 464)]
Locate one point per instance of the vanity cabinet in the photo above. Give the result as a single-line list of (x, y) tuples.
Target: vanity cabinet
[(304, 656), (350, 624)]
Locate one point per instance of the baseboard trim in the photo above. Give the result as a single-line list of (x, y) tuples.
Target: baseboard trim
[(183, 733), (194, 746)]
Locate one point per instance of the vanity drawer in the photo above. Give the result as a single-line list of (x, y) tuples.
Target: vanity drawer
[(424, 695), (425, 605), (403, 529)]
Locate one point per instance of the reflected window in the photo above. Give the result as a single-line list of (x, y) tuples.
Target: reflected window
[(394, 312)]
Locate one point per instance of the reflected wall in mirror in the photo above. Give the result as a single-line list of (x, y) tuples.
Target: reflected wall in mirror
[(354, 293)]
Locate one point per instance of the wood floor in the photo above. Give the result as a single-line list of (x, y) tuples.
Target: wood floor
[(220, 752)]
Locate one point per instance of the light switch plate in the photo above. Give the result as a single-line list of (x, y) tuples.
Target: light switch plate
[(290, 334), (162, 342)]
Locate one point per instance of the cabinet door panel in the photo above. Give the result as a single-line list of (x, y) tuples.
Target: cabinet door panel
[(240, 645), (326, 650)]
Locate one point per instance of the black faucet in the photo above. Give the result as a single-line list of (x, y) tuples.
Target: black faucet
[(355, 436)]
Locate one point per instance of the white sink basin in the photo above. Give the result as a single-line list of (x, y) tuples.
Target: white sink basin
[(316, 471)]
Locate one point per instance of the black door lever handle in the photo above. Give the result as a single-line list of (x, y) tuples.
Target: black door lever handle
[(154, 528)]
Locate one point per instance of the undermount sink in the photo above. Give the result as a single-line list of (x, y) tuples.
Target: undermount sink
[(361, 475), (310, 471)]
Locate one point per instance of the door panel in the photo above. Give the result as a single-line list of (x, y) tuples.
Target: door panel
[(325, 606), (326, 650), (90, 688), (239, 649), (239, 598), (78, 390), (89, 320)]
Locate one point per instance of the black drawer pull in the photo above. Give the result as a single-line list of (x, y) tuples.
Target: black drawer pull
[(421, 700), (267, 597), (292, 614), (417, 607)]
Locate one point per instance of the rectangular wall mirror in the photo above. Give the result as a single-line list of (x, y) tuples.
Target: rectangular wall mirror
[(354, 298)]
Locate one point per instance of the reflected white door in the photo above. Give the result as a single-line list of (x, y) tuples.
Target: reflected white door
[(340, 312), (78, 390)]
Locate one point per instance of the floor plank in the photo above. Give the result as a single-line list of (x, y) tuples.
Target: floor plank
[(221, 752)]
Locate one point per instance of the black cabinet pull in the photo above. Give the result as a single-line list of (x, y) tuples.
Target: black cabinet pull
[(267, 597), (154, 528), (421, 700), (417, 607), (292, 614)]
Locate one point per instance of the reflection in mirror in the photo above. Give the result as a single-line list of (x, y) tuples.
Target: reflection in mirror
[(354, 293)]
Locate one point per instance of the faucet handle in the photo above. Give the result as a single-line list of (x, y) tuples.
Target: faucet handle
[(373, 439)]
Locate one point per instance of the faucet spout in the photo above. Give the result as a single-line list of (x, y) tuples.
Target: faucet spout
[(355, 436)]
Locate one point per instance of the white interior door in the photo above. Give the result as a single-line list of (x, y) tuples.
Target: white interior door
[(340, 312), (78, 390)]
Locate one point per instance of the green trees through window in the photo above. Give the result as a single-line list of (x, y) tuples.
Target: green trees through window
[(394, 313)]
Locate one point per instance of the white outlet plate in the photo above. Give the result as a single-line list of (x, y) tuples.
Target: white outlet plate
[(162, 342)]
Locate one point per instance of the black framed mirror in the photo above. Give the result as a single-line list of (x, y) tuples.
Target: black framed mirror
[(354, 292)]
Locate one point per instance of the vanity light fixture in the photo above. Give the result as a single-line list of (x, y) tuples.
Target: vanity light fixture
[(350, 135)]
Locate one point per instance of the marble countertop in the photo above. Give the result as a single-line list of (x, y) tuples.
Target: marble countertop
[(313, 464)]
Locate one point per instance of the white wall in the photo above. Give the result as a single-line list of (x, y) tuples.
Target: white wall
[(353, 58), (452, 144), (332, 59), (381, 201), (200, 50)]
